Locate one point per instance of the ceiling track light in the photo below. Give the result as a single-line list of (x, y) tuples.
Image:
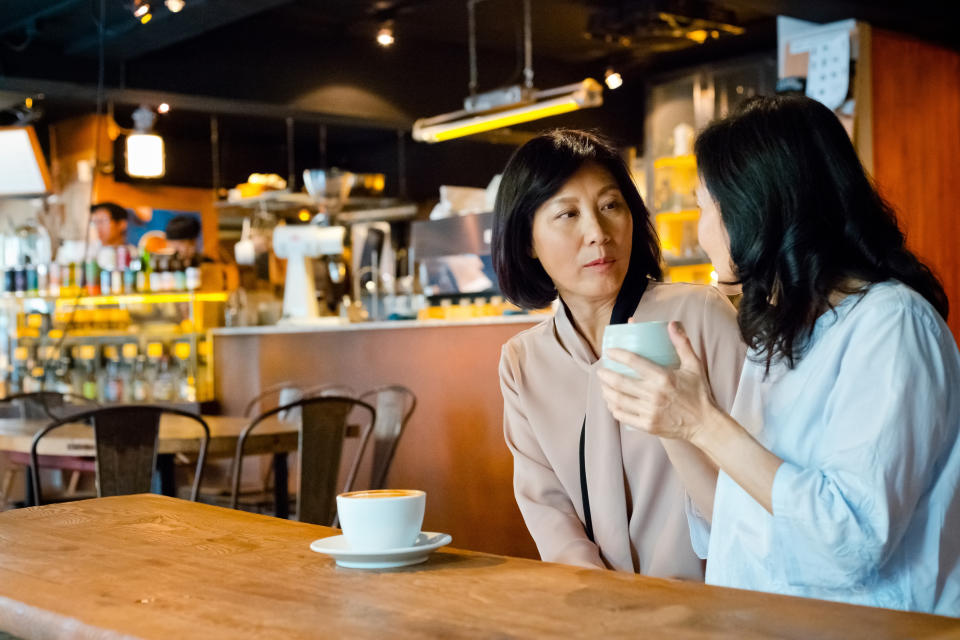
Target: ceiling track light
[(174, 6), (385, 36), (509, 105), (140, 9), (612, 78)]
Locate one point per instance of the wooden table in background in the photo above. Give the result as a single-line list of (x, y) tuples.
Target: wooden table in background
[(177, 435), (155, 567)]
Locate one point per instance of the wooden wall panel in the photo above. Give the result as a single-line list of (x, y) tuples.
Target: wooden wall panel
[(453, 447), (916, 141)]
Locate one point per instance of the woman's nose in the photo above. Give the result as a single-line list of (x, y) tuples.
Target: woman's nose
[(595, 232)]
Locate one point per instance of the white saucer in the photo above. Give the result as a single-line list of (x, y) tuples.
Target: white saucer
[(339, 549)]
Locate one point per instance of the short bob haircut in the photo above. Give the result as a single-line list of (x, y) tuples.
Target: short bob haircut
[(534, 173), (803, 219)]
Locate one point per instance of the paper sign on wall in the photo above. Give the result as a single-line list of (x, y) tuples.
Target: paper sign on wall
[(828, 74)]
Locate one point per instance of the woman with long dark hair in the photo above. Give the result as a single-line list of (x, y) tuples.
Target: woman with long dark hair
[(569, 223), (839, 463)]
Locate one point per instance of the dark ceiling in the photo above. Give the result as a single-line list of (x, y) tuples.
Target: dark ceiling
[(260, 61)]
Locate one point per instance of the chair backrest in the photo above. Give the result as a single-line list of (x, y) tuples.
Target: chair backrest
[(285, 391), (394, 404), (126, 444), (47, 404), (323, 427)]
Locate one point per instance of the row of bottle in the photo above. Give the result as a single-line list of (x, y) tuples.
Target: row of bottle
[(119, 374), (115, 271)]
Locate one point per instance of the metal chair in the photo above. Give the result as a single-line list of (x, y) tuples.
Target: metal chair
[(394, 404), (278, 389), (323, 426), (43, 405), (126, 445), (40, 404)]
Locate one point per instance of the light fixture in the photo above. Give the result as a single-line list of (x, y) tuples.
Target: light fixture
[(145, 18), (509, 105), (141, 9), (544, 104), (163, 108), (613, 79), (385, 34), (145, 154), (175, 6)]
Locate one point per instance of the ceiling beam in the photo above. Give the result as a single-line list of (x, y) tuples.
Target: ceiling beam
[(55, 90), (30, 19)]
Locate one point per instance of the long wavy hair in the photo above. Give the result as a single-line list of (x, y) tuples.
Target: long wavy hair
[(803, 218)]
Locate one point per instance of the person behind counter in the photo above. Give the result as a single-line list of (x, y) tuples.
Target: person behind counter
[(839, 461), (182, 233), (109, 220), (568, 221)]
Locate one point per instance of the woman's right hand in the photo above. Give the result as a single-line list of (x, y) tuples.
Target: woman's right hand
[(669, 403)]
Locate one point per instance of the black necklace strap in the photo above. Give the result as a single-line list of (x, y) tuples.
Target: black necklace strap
[(623, 308)]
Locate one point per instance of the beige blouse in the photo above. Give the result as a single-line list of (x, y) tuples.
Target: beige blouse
[(548, 380)]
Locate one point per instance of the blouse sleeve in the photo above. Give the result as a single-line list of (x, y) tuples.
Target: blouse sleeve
[(723, 353), (887, 420), (547, 510)]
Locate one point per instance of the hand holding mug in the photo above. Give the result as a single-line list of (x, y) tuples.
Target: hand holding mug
[(665, 402)]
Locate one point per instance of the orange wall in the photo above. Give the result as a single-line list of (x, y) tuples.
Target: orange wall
[(74, 139), (916, 138)]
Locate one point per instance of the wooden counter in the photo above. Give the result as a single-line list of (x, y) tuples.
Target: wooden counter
[(453, 447), (153, 567)]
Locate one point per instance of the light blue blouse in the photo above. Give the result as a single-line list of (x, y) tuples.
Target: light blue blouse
[(865, 505)]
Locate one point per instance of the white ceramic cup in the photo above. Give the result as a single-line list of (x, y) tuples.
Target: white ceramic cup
[(648, 339), (383, 519)]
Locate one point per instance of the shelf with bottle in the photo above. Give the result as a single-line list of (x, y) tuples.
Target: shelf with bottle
[(128, 371), (116, 273)]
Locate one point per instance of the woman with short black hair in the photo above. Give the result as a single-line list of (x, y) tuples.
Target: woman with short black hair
[(839, 462), (569, 222)]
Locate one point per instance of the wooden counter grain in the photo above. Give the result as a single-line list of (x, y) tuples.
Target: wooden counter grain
[(155, 567)]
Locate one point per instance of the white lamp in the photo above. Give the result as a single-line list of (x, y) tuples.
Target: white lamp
[(145, 155)]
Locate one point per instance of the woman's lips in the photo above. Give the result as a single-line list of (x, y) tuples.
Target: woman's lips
[(600, 264)]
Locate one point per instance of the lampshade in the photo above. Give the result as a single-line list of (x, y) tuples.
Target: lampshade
[(145, 158)]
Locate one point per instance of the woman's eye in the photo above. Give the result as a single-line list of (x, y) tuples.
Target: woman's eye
[(569, 213), (611, 205)]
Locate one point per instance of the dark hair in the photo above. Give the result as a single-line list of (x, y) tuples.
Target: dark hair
[(183, 227), (803, 219), (117, 213), (534, 173)]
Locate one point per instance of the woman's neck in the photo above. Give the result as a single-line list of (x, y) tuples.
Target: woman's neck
[(590, 320)]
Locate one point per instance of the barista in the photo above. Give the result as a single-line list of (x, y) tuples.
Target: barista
[(182, 232)]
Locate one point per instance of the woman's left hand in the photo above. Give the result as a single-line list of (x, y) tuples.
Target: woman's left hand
[(669, 403)]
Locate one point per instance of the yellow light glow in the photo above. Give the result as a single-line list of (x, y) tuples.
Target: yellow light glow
[(145, 18), (146, 298), (699, 36), (488, 123), (29, 103), (304, 215), (145, 155)]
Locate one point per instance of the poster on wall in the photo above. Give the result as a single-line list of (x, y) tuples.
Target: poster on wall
[(145, 224)]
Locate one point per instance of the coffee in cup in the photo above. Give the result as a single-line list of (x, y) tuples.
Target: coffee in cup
[(377, 520), (648, 339)]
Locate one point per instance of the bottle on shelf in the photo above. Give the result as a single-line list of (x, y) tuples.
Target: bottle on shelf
[(140, 383), (186, 381)]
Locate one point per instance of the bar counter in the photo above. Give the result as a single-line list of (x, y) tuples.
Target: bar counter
[(453, 447)]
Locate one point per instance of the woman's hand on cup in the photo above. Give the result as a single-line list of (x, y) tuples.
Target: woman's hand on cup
[(669, 403)]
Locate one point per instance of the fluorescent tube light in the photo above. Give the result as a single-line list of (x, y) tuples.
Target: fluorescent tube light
[(548, 103)]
